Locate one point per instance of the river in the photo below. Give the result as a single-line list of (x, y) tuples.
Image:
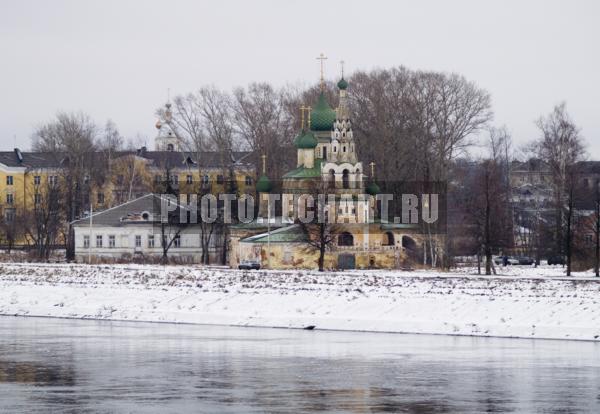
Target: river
[(60, 365)]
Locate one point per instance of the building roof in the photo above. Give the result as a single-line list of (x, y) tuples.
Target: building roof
[(303, 172), (17, 158), (306, 140), (131, 212), (171, 159), (290, 234), (322, 116)]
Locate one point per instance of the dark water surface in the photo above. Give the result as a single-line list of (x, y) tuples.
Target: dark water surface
[(53, 365)]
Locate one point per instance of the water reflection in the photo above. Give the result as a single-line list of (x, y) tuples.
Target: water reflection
[(51, 365), (35, 373)]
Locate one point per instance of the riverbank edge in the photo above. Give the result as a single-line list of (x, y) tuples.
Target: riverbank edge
[(307, 328), (384, 302)]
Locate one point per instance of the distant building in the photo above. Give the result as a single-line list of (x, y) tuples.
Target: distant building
[(133, 231)]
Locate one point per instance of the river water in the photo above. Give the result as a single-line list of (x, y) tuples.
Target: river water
[(59, 365)]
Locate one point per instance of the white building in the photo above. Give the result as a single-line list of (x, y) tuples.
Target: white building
[(133, 230)]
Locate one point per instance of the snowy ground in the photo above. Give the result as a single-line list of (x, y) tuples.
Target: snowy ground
[(519, 302)]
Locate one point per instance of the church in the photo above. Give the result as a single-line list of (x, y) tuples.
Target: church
[(326, 157)]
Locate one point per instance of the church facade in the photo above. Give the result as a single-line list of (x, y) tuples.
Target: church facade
[(326, 158)]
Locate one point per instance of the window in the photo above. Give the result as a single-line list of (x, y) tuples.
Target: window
[(99, 240), (248, 180), (346, 239), (100, 198), (205, 179), (175, 179), (120, 179), (346, 179), (10, 199), (177, 241), (86, 179), (111, 241), (589, 239), (37, 180), (37, 198), (9, 180), (151, 241), (53, 179), (170, 147), (9, 215), (189, 179), (220, 179), (138, 240), (86, 241)]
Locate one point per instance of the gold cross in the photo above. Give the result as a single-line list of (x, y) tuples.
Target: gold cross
[(372, 164), (342, 64), (264, 163), (308, 108), (322, 57), (302, 109)]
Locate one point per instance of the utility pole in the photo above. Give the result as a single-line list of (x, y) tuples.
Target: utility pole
[(90, 234)]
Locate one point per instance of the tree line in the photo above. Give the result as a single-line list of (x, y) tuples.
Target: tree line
[(416, 125)]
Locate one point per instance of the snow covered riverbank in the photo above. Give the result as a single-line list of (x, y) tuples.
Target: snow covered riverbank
[(513, 305)]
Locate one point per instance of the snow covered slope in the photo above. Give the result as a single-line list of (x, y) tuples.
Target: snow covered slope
[(513, 305)]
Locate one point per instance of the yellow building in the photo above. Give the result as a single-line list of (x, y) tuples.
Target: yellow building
[(27, 177)]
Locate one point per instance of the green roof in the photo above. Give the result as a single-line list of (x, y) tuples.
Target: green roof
[(342, 84), (373, 188), (302, 172), (305, 139), (322, 116), (263, 185)]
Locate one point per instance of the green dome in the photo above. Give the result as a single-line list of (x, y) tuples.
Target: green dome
[(322, 116), (342, 84), (263, 185), (305, 139), (373, 188)]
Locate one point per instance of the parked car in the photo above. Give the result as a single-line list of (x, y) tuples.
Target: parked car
[(249, 265), (556, 260), (525, 260), (509, 260)]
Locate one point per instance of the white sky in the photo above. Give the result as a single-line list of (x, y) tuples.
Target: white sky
[(116, 59)]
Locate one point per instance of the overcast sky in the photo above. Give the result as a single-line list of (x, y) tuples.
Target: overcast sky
[(116, 59)]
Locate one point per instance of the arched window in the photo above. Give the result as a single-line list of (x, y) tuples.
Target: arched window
[(346, 179), (388, 238), (408, 243), (331, 178), (345, 239), (248, 180), (170, 147)]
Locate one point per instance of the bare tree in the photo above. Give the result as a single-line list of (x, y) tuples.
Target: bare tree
[(320, 233), (44, 221), (561, 147), (489, 197), (261, 120), (11, 228), (71, 139)]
